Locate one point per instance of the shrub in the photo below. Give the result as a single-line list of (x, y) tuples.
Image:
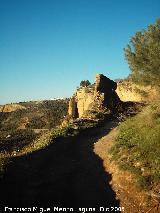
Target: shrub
[(85, 83), (143, 55)]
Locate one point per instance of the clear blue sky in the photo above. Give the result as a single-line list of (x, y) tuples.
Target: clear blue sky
[(48, 46)]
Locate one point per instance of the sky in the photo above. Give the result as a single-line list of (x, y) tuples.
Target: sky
[(48, 46)]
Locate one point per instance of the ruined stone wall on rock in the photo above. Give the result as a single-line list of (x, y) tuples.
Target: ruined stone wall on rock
[(105, 93), (94, 98)]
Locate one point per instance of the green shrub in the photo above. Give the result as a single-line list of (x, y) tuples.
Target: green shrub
[(85, 83)]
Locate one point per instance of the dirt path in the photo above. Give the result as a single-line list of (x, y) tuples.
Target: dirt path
[(66, 174)]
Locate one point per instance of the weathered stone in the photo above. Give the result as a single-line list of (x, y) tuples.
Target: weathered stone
[(94, 98), (104, 84), (107, 87), (85, 97), (72, 109)]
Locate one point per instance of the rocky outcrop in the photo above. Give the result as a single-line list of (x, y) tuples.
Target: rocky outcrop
[(85, 97), (107, 87), (94, 98), (129, 91), (72, 109)]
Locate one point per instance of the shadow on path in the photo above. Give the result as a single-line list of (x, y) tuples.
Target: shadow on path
[(66, 174)]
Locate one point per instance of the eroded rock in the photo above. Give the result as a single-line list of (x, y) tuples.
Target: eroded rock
[(94, 98), (104, 84), (72, 109)]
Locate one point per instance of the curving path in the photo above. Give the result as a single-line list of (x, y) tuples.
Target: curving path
[(66, 174)]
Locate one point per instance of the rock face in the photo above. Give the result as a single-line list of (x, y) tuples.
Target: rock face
[(107, 87), (85, 97), (104, 84), (94, 98), (72, 109), (129, 91)]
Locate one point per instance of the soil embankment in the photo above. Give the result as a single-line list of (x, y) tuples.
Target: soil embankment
[(124, 182)]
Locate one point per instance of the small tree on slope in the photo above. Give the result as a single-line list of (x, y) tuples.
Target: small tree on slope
[(143, 55)]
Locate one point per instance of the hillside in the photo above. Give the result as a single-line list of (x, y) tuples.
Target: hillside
[(130, 152), (22, 123), (33, 115)]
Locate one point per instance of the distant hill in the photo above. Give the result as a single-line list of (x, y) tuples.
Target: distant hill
[(10, 107), (21, 123)]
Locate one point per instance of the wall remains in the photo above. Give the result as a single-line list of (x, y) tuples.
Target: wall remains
[(94, 98), (109, 94)]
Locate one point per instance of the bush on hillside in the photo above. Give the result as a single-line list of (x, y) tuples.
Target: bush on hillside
[(143, 55)]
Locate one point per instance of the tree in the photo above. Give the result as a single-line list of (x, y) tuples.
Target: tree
[(85, 83), (143, 55)]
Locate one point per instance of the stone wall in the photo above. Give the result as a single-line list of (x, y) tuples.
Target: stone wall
[(94, 98)]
